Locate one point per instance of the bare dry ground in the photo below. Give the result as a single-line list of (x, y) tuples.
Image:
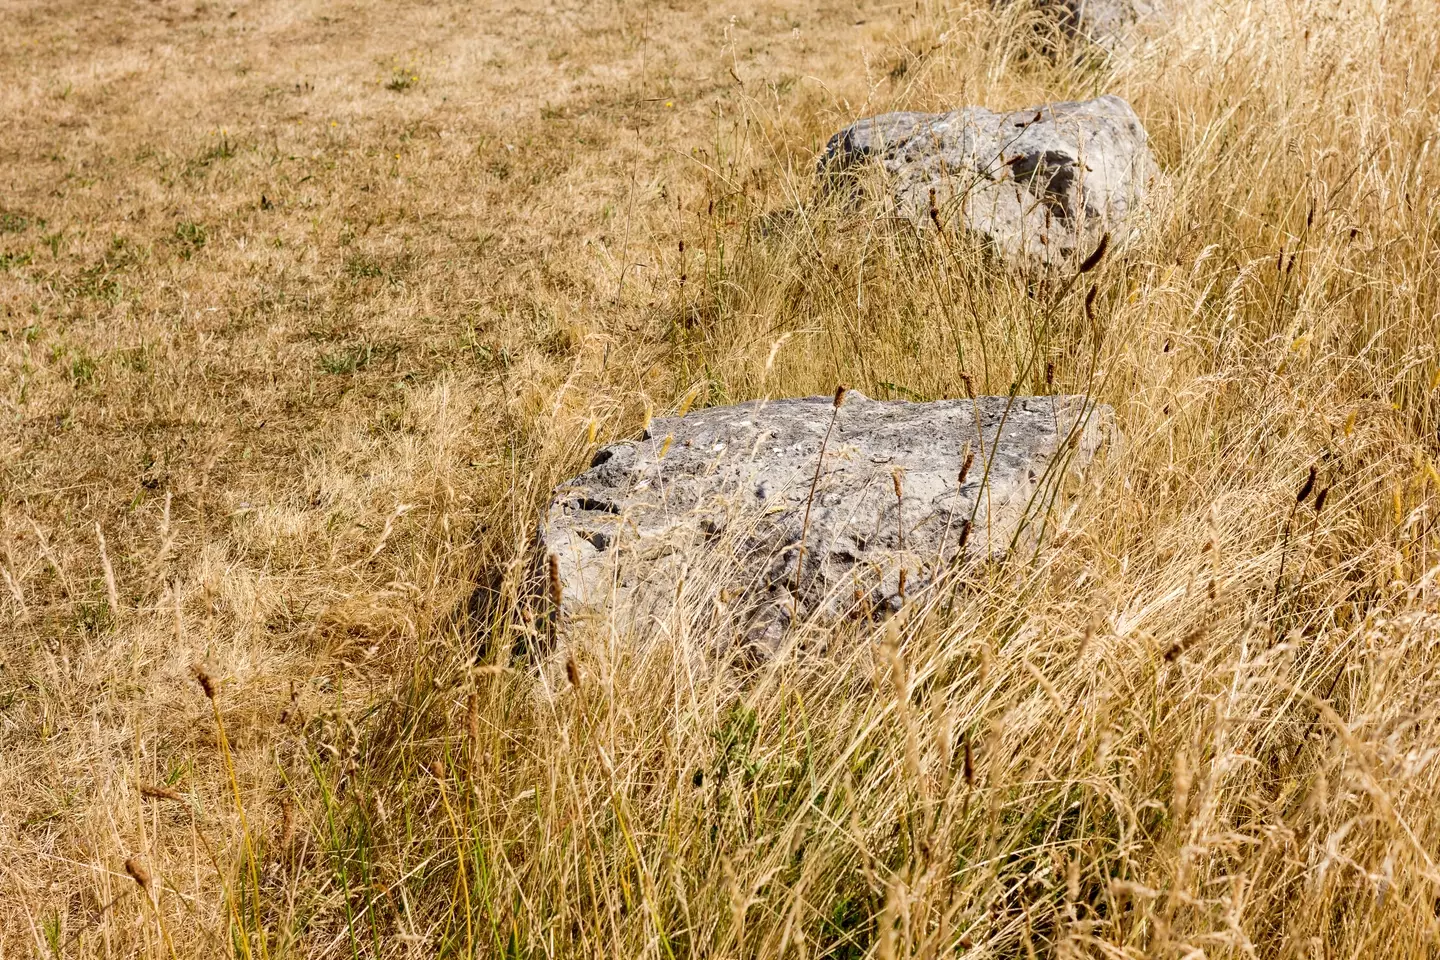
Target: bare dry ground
[(304, 308)]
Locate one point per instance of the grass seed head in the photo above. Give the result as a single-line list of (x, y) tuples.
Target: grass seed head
[(287, 821), (202, 677), (1180, 800), (1086, 638), (138, 871), (1093, 261), (557, 593), (160, 793), (1194, 636), (1307, 486)]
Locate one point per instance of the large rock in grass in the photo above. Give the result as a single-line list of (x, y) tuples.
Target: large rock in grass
[(704, 517), (1039, 185)]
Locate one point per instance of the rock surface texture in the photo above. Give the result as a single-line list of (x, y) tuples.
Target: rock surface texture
[(1108, 23), (712, 507), (1041, 184)]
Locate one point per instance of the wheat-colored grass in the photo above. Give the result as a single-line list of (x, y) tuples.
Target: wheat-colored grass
[(304, 308)]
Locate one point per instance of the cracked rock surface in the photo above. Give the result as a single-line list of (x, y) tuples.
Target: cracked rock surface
[(705, 515), (1039, 185)]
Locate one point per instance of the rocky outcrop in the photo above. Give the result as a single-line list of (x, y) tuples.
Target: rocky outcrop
[(715, 507), (1039, 185)]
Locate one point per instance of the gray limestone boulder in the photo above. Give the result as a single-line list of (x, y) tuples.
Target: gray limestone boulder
[(1040, 185), (706, 514)]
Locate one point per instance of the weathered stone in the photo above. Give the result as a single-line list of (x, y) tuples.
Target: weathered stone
[(712, 506), (1107, 23), (1041, 184)]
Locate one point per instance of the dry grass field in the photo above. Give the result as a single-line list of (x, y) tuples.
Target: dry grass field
[(305, 307)]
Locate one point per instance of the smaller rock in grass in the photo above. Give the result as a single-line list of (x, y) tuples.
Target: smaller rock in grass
[(1039, 185), (1109, 24)]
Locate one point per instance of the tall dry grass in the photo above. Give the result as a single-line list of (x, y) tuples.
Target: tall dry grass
[(306, 309)]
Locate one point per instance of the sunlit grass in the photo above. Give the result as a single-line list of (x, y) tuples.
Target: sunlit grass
[(284, 400)]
